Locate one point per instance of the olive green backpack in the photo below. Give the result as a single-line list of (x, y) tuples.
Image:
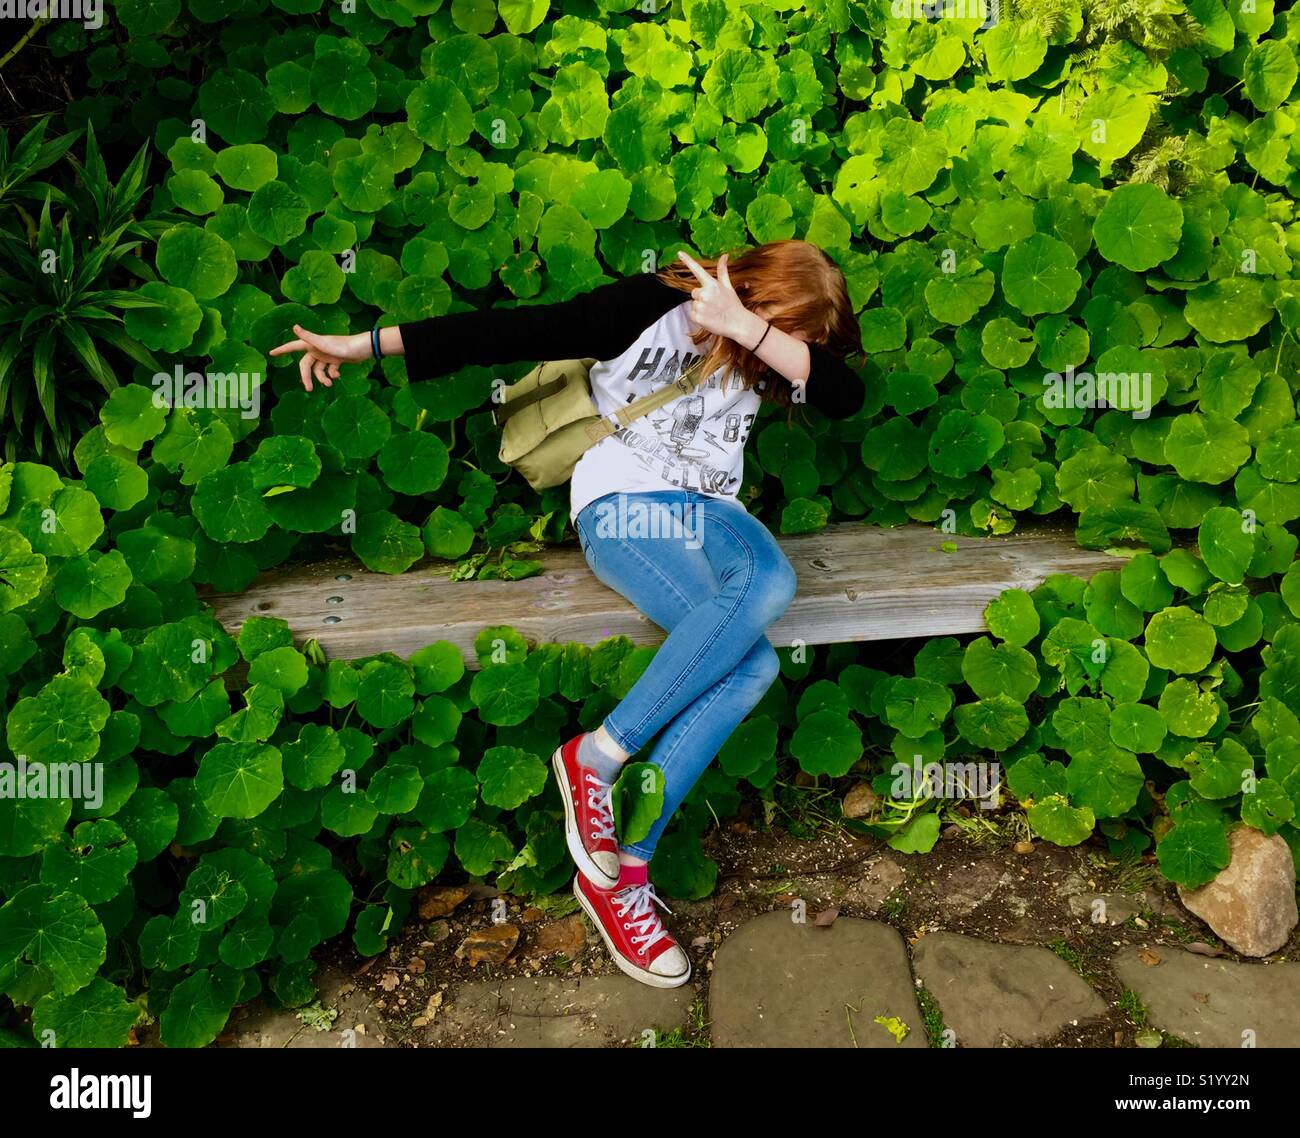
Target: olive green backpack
[(548, 419)]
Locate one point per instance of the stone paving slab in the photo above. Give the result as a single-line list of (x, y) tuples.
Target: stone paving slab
[(781, 984), (993, 993), (1211, 1002), (549, 1011), (358, 1024)]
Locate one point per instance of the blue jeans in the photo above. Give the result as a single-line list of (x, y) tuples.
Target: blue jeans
[(724, 571)]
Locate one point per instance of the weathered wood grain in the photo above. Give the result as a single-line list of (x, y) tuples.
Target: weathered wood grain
[(856, 583)]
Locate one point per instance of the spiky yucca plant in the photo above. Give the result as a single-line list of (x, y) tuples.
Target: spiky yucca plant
[(62, 343)]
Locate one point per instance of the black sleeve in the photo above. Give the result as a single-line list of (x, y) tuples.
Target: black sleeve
[(598, 324), (834, 388)]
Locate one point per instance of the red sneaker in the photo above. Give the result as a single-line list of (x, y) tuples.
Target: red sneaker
[(588, 816), (636, 938)]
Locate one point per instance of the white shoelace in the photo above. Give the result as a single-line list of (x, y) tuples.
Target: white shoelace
[(599, 801), (637, 909)]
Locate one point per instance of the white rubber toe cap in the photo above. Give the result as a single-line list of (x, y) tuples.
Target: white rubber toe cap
[(671, 963)]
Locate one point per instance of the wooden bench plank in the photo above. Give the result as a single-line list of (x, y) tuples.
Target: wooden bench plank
[(856, 583)]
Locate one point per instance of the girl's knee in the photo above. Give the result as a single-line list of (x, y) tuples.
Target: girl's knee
[(763, 664), (774, 587)]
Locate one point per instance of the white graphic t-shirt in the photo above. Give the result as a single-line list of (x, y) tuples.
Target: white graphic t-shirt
[(696, 442)]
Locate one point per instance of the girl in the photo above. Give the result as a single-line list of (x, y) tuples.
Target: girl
[(657, 516)]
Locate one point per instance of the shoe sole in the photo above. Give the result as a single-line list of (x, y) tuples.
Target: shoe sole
[(650, 979), (572, 838)]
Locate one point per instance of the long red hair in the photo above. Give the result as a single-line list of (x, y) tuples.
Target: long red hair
[(802, 289)]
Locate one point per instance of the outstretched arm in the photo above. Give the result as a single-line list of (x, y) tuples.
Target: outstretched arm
[(599, 324)]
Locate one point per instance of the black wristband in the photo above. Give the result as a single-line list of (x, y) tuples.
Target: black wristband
[(762, 338), (374, 342)]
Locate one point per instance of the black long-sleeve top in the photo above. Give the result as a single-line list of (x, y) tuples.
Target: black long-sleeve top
[(597, 324)]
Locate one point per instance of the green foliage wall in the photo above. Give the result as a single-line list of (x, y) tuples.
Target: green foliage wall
[(1085, 187)]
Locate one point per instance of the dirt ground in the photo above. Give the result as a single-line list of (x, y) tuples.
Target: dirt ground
[(984, 878)]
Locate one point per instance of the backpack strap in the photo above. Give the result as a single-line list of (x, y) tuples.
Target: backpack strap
[(684, 384)]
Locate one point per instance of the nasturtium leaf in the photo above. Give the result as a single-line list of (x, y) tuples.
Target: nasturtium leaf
[(1054, 818), (385, 694), (436, 720), (439, 114), (395, 789), (356, 426), (1139, 226), (196, 260), (436, 667), (52, 930), (447, 799), (1226, 540), (156, 557), (193, 445), (59, 723), (229, 506), (22, 570), (342, 83), (414, 462), (994, 723), (131, 416), (1012, 50), (118, 483), (417, 856), (277, 213), (1011, 617), (347, 813), (1231, 308), (509, 776), (385, 543), (285, 460), (1269, 73), (505, 694), (99, 1015), (91, 583), (1038, 275), (741, 83), (1193, 852), (167, 324), (239, 780), (282, 668), (1106, 781)]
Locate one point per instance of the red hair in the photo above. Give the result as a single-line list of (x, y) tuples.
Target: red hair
[(802, 289)]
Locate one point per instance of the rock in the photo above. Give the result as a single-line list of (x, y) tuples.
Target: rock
[(1104, 908), (550, 1011), (991, 993), (781, 983), (1250, 904), (440, 900), (965, 888), (1024, 847), (356, 1024), (882, 876), (568, 936), (492, 945), (860, 802), (1216, 1003)]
